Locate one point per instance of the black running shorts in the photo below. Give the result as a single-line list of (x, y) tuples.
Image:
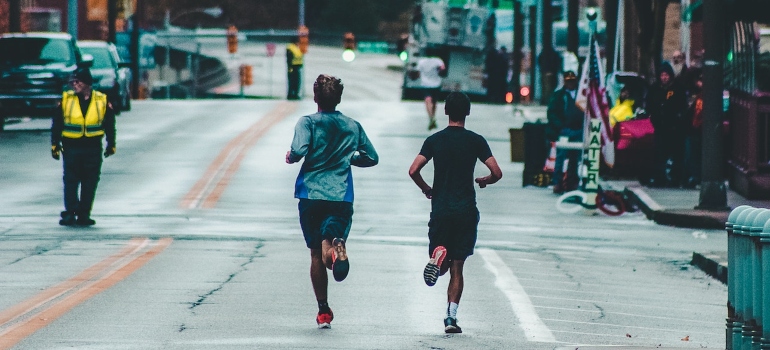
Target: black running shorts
[(322, 219), (456, 232)]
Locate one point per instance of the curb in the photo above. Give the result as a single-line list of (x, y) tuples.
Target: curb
[(687, 218), (713, 264), (614, 347)]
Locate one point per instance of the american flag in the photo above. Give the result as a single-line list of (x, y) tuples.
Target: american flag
[(592, 99)]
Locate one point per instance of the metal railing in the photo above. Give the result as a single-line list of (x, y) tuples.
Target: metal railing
[(750, 126), (748, 279)]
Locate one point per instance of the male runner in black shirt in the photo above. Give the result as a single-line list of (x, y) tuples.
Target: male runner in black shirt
[(454, 217)]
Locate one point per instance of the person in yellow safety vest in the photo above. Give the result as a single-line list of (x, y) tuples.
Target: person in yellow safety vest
[(623, 109), (294, 62), (77, 133)]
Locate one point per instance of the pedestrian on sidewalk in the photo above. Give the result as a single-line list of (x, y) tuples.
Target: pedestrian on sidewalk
[(565, 119), (294, 63), (77, 134), (667, 105), (330, 142), (454, 217)]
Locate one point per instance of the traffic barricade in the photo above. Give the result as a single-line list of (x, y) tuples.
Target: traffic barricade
[(748, 295)]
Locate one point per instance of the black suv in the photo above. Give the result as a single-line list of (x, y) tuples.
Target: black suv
[(34, 71)]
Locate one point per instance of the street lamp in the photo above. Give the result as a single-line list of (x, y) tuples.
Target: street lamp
[(211, 11)]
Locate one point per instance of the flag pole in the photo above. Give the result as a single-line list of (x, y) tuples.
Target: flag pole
[(592, 127)]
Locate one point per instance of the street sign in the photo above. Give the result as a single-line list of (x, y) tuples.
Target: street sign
[(270, 49)]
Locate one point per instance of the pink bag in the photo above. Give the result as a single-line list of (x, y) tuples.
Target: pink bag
[(634, 146)]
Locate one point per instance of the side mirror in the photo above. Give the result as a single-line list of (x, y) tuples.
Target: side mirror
[(88, 61)]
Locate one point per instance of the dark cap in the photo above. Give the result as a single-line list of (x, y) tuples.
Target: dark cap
[(84, 75), (666, 67), (569, 75)]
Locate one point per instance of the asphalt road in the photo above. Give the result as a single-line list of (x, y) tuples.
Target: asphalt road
[(197, 243)]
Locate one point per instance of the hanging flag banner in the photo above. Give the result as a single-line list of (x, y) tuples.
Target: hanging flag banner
[(592, 99)]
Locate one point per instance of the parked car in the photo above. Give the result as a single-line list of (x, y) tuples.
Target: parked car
[(34, 71), (111, 75)]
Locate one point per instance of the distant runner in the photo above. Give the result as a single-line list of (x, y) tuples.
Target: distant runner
[(431, 71), (454, 217), (330, 142)]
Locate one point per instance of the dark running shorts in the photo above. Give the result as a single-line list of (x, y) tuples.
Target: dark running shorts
[(456, 232), (322, 219), (431, 92)]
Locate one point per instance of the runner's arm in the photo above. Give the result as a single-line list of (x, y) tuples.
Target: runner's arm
[(301, 142), (495, 173), (414, 173), (365, 156)]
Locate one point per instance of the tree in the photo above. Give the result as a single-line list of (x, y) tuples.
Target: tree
[(652, 23)]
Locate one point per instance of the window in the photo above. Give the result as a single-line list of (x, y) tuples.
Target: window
[(36, 51)]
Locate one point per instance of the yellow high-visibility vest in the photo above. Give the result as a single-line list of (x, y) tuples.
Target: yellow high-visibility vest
[(77, 125), (296, 54)]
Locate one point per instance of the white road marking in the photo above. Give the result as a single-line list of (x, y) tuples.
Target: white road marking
[(533, 327)]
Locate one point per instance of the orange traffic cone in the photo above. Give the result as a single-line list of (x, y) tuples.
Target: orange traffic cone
[(550, 163)]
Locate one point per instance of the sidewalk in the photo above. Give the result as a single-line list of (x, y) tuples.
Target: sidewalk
[(676, 207), (673, 207)]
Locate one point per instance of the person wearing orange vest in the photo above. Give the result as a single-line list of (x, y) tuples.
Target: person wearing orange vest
[(77, 134), (294, 62)]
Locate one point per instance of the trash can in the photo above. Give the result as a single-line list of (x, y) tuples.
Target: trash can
[(517, 144), (535, 153)]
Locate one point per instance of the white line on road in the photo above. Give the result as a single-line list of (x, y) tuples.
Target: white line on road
[(506, 281)]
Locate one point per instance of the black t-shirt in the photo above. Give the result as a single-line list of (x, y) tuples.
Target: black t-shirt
[(454, 151)]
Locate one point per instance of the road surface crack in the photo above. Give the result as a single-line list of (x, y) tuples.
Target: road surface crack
[(241, 268), (39, 250)]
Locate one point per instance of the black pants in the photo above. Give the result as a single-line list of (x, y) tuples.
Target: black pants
[(294, 77), (669, 157), (82, 168)]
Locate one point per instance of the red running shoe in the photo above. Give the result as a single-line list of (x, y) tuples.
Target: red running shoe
[(324, 320), (433, 268)]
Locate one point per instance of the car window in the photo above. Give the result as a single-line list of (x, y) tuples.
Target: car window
[(101, 55), (36, 51)]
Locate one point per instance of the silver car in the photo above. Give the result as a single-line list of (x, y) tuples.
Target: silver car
[(111, 75)]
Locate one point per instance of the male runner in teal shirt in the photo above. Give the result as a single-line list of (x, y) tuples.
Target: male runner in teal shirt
[(330, 142)]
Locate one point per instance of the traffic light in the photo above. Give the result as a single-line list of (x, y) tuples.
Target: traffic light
[(232, 39), (401, 47), (349, 41), (246, 75), (349, 44)]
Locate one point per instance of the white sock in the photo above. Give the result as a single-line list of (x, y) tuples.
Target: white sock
[(451, 310)]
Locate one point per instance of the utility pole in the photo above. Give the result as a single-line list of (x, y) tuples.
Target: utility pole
[(533, 52), (136, 21), (14, 15), (72, 18), (518, 44), (573, 36), (112, 18), (301, 13), (549, 59), (713, 194), (611, 16)]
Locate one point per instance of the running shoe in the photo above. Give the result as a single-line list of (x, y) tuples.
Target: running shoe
[(340, 264), (432, 124), (450, 325), (433, 268), (324, 319)]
